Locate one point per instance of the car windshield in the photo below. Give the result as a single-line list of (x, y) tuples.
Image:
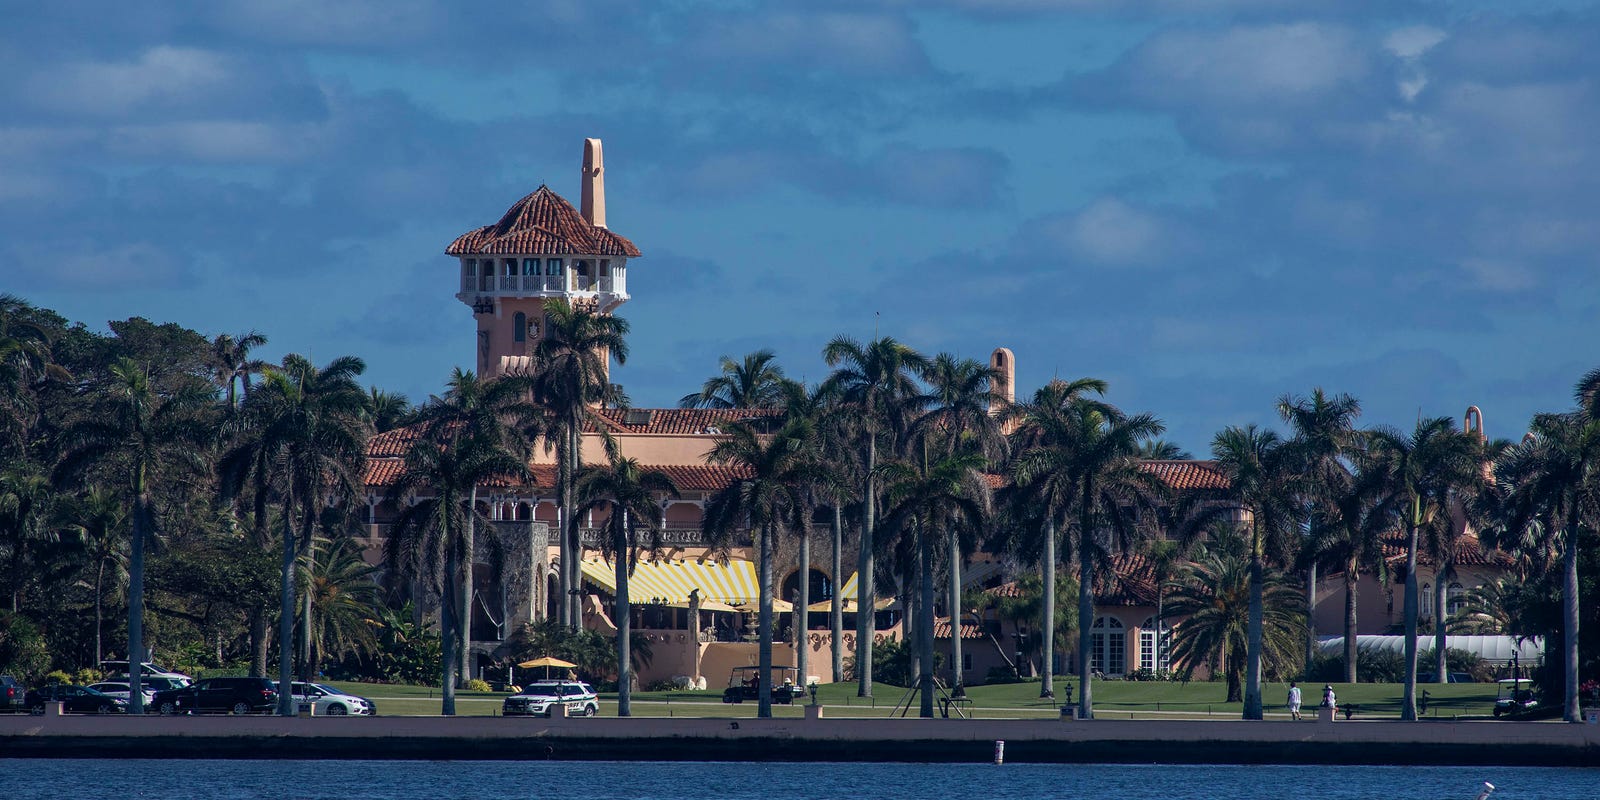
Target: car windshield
[(544, 690), (325, 689)]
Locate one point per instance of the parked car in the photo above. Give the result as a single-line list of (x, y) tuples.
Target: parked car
[(13, 695), (149, 673), (224, 695), (122, 690), (539, 697), (76, 700), (331, 702)]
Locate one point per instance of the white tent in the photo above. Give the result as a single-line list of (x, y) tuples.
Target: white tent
[(1495, 650)]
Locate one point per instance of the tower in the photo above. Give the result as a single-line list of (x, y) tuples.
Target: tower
[(542, 248)]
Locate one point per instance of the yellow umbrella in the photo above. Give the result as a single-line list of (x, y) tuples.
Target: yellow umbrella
[(547, 662), (705, 605), (778, 606)]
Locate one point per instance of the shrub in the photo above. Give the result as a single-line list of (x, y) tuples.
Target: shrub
[(23, 651), (478, 685), (663, 685), (1001, 675), (57, 676)]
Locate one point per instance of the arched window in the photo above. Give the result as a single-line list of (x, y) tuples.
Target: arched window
[(1456, 598), (1147, 645), (1425, 601), (519, 327), (1108, 646)]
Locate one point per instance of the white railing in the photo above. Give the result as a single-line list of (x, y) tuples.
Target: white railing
[(530, 283), (485, 284), (468, 282), (552, 283), (508, 283), (605, 283)]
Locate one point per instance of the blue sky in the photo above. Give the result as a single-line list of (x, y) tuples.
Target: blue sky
[(1207, 203)]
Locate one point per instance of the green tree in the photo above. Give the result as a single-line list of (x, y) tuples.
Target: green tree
[(1215, 596), (1417, 473), (571, 379), (1078, 456), (633, 522), (151, 440), (1550, 483), (755, 382), (25, 503), (387, 410), (99, 522), (877, 382), (233, 365), (769, 498)]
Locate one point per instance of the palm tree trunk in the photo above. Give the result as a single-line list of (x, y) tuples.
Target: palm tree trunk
[(864, 589), (467, 546), (286, 614), (956, 674), (141, 510), (1311, 613), (1085, 618), (258, 610), (308, 668), (447, 638), (925, 618), (1047, 621), (1252, 684), (99, 579), (1351, 656), (1441, 594), (764, 621), (1408, 705), (574, 529), (1569, 617), (624, 617), (802, 611), (564, 520), (836, 608)]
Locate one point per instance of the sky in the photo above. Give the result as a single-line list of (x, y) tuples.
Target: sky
[(1208, 203)]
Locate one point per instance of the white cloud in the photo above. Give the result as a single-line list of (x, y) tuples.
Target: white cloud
[(1246, 66), (111, 89)]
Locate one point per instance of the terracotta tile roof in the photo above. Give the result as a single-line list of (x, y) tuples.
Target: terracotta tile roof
[(678, 421), (541, 223), (1469, 552), (1188, 474), (1179, 475), (1130, 582), (697, 478), (393, 443), (383, 471), (941, 629)]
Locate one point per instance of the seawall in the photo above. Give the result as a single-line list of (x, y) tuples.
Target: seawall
[(829, 739)]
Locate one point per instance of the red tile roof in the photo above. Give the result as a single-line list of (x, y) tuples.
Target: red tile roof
[(1188, 474), (541, 223), (695, 478), (679, 421), (1130, 582), (941, 629), (1469, 552)]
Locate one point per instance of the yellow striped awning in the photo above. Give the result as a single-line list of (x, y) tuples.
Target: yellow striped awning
[(732, 582)]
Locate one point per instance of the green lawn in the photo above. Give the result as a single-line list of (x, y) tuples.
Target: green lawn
[(1112, 700)]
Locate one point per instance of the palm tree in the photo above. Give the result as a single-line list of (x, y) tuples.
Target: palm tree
[(949, 492), (148, 438), (876, 381), (771, 496), (344, 599), (755, 382), (1324, 436), (1348, 536), (99, 521), (1163, 450), (633, 522), (835, 460), (313, 448), (25, 501), (1549, 483), (1264, 488), (1079, 455), (387, 410), (1215, 595), (25, 361), (959, 400), (497, 414), (233, 364), (571, 379), (1417, 473)]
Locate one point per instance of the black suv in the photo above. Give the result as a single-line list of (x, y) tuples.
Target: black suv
[(227, 695), (75, 700), (13, 695)]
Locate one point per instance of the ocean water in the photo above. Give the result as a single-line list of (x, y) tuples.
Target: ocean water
[(41, 779)]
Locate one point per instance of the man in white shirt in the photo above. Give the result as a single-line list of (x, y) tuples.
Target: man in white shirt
[(1294, 700)]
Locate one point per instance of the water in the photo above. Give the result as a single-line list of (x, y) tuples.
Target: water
[(42, 779)]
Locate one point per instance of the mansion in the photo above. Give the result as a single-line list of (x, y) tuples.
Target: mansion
[(692, 603)]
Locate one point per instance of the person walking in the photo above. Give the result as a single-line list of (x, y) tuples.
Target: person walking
[(1294, 700), (1329, 701)]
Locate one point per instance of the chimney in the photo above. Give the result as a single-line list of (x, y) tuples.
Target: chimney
[(594, 184)]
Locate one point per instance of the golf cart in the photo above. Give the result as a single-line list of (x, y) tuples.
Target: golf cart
[(1513, 696), (744, 683)]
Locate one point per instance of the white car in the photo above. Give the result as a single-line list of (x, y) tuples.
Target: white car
[(153, 675), (330, 702), (537, 699), (120, 689)]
